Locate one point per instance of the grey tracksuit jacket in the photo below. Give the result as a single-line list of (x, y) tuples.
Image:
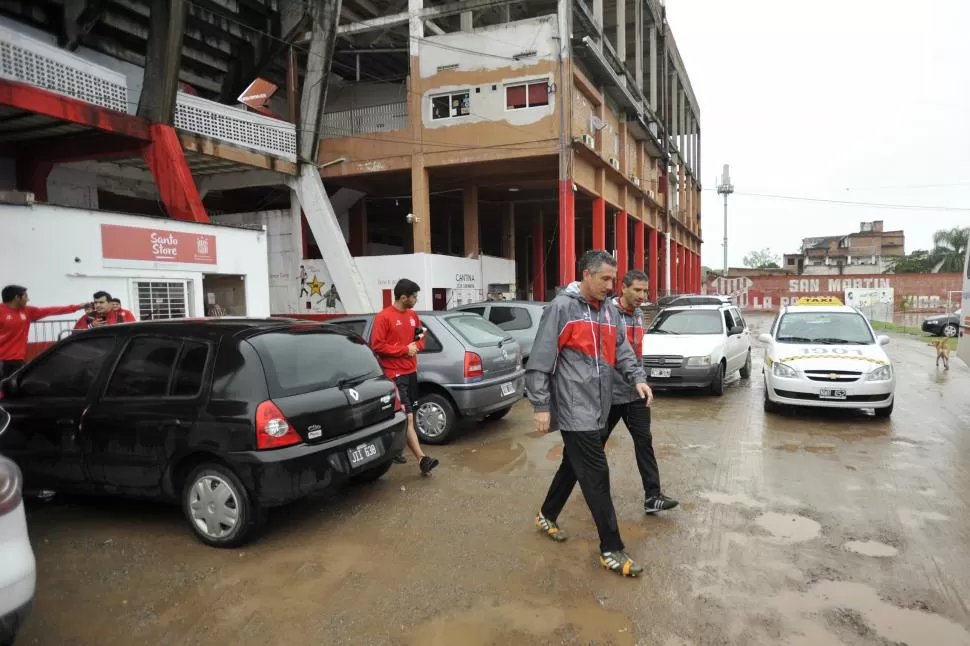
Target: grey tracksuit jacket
[(623, 392), (576, 350)]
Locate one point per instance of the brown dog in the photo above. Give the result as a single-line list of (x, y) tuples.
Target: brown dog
[(942, 346)]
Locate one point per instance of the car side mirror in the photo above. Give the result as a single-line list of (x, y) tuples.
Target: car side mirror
[(736, 330), (883, 339), (765, 338)]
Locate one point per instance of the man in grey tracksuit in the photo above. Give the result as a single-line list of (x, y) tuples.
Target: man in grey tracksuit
[(569, 380)]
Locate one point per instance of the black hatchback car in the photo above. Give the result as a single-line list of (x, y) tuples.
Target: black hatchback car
[(227, 417)]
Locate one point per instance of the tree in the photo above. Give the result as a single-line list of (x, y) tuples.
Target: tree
[(763, 259), (918, 262), (950, 248)]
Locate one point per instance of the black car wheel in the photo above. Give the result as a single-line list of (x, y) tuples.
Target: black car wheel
[(717, 383), (950, 330), (746, 368), (434, 419), (218, 507)]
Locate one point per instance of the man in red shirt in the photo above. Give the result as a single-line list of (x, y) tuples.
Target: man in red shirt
[(102, 313), (396, 340), (124, 315), (15, 319)]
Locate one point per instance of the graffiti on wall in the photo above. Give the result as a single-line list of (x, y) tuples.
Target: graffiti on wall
[(316, 292), (768, 293)]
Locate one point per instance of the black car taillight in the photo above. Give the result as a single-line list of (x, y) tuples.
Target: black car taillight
[(11, 486), (273, 430)]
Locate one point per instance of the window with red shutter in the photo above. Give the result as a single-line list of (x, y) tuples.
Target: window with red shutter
[(538, 94), (515, 97)]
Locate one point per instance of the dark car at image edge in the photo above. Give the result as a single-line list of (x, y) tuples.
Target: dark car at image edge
[(228, 417)]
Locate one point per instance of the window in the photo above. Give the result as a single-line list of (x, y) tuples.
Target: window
[(357, 327), (190, 369), (687, 322), (160, 300), (527, 95), (145, 368), (69, 371), (446, 106), (477, 331), (739, 317), (831, 327), (299, 361), (431, 343), (510, 318), (728, 320), (476, 310)]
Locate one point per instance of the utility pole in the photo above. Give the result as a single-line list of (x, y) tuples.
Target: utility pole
[(725, 188)]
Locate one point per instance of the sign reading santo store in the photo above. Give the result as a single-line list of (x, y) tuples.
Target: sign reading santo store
[(123, 246)]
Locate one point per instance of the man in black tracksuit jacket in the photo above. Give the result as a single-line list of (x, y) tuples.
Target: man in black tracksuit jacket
[(569, 380)]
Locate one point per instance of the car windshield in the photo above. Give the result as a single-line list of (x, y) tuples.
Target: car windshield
[(831, 328), (687, 322), (476, 331)]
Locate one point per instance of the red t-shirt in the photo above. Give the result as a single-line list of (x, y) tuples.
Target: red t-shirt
[(126, 316), (112, 317), (393, 332), (15, 327)]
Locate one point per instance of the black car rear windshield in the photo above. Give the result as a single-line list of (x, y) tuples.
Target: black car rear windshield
[(300, 361), (476, 331)]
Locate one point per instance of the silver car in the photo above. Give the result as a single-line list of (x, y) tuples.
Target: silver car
[(469, 368), (519, 318)]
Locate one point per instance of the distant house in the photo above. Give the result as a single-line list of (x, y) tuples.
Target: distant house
[(867, 251)]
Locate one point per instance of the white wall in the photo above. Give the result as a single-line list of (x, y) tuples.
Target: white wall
[(58, 257)]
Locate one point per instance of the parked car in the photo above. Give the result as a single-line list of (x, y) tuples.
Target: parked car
[(519, 318), (944, 325), (700, 299), (227, 417), (697, 346), (469, 368), (18, 569)]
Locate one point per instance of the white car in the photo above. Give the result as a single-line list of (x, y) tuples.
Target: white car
[(827, 355), (696, 346), (18, 574)]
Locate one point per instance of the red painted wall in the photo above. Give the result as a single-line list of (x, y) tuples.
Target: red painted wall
[(913, 292)]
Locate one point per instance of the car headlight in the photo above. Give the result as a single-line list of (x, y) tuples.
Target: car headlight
[(883, 373), (698, 362), (781, 370)]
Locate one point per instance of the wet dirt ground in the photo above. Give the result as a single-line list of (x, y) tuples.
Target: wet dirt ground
[(811, 528)]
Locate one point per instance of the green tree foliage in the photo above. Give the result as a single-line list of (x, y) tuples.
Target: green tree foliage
[(950, 248), (918, 262), (763, 259)]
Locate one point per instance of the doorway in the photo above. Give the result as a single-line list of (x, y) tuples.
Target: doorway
[(224, 295)]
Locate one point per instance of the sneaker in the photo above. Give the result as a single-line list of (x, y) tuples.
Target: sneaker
[(400, 459), (660, 502), (427, 464), (550, 529), (620, 563)]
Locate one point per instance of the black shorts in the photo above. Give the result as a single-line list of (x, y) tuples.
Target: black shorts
[(407, 388)]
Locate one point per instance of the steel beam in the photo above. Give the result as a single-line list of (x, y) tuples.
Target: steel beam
[(162, 61), (425, 14)]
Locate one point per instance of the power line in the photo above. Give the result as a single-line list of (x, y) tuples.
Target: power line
[(905, 207), (905, 186)]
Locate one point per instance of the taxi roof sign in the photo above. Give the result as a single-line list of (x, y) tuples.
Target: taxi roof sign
[(818, 300)]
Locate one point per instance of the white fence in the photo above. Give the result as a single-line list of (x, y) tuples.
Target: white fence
[(387, 117), (237, 126)]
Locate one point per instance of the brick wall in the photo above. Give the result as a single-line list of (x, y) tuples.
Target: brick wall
[(913, 292)]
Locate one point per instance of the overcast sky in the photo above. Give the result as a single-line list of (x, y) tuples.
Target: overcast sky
[(809, 99)]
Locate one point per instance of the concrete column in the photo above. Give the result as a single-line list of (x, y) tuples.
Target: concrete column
[(323, 35), (653, 264), (420, 206), (467, 21), (621, 30), (507, 13), (622, 245), (508, 233), (472, 244), (567, 233), (162, 60), (653, 68), (599, 223), (538, 260), (638, 43), (639, 261)]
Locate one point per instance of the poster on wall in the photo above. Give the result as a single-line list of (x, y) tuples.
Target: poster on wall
[(315, 291), (123, 246)]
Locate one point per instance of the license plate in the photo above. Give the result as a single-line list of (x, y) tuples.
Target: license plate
[(508, 389), (659, 372), (831, 393), (363, 453)]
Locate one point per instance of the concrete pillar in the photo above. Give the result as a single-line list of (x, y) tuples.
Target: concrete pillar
[(470, 199), (599, 223), (567, 233), (508, 233), (653, 266), (621, 30), (467, 21), (639, 261), (162, 60), (653, 67), (667, 258), (323, 34), (638, 43), (538, 260), (420, 206), (622, 245)]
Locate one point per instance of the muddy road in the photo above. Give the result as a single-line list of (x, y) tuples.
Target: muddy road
[(813, 528)]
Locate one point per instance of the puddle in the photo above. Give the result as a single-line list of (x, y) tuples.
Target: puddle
[(858, 607), (905, 443), (871, 548), (666, 450), (820, 448), (721, 498), (494, 457), (916, 519), (495, 623), (789, 528)]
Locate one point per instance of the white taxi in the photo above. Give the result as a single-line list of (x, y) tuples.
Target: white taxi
[(823, 353)]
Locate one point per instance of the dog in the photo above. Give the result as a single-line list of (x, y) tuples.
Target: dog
[(942, 346)]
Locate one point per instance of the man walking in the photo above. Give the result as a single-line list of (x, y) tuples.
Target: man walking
[(15, 319), (627, 403), (569, 380), (396, 340)]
